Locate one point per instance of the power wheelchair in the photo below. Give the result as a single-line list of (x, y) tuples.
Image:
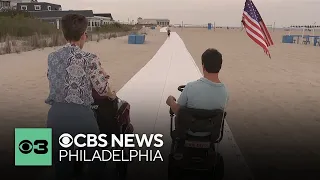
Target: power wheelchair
[(195, 141)]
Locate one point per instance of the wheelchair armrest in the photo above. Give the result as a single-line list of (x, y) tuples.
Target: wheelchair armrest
[(221, 133), (171, 112), (222, 128)]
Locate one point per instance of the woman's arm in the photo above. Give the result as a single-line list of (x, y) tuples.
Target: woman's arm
[(100, 79)]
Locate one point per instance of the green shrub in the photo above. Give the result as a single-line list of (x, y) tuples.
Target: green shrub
[(20, 32), (20, 26), (13, 13), (114, 27)]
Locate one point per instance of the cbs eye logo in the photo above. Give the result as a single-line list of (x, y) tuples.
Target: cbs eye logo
[(65, 140), (38, 146)]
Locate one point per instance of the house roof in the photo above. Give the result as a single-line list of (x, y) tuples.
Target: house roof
[(37, 3), (60, 14), (150, 19), (104, 15)]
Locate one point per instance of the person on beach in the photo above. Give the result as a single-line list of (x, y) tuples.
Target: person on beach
[(206, 93), (73, 74), (168, 31)]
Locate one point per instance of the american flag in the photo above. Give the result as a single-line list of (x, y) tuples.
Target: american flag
[(255, 27)]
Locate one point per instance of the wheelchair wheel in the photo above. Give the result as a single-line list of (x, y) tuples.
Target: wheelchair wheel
[(78, 168), (170, 169), (219, 169), (122, 170), (172, 172)]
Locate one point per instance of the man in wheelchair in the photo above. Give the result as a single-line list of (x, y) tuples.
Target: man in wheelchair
[(199, 119), (206, 93)]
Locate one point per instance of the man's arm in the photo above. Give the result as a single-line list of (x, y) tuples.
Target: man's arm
[(100, 79), (174, 106), (182, 101)]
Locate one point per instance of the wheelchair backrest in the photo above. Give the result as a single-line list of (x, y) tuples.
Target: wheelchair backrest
[(199, 120)]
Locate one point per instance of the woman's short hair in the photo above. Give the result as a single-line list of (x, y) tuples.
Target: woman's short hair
[(73, 26)]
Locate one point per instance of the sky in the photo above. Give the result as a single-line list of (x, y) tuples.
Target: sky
[(222, 12)]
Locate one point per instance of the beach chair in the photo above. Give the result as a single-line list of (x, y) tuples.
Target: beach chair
[(306, 39)]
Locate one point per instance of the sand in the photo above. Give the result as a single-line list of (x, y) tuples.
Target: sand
[(274, 104), (24, 85)]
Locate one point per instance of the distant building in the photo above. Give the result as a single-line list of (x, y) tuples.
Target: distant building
[(38, 6), (4, 4), (154, 22), (13, 3), (54, 17), (107, 15), (53, 13)]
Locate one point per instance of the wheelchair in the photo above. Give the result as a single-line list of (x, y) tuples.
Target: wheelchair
[(195, 142)]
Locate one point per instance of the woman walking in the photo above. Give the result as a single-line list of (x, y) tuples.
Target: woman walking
[(73, 74)]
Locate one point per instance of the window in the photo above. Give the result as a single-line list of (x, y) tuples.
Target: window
[(37, 7), (60, 9), (4, 3), (24, 7), (49, 8)]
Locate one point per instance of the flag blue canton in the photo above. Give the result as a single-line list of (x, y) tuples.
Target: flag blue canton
[(251, 9)]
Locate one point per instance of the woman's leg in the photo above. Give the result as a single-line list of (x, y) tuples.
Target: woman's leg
[(95, 170), (73, 119), (63, 168)]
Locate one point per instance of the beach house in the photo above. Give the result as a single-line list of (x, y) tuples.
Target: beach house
[(4, 4), (153, 22), (52, 13), (38, 6), (13, 3)]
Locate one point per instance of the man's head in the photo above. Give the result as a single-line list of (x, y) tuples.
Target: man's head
[(74, 27), (211, 61)]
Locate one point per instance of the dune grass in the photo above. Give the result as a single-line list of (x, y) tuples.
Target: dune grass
[(21, 24), (115, 27), (20, 32)]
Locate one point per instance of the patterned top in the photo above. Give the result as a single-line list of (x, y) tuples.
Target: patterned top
[(73, 74)]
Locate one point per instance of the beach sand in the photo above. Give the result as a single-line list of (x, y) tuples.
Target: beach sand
[(273, 110), (24, 84)]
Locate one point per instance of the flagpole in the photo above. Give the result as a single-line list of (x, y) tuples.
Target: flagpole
[(182, 26), (274, 26), (242, 25)]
